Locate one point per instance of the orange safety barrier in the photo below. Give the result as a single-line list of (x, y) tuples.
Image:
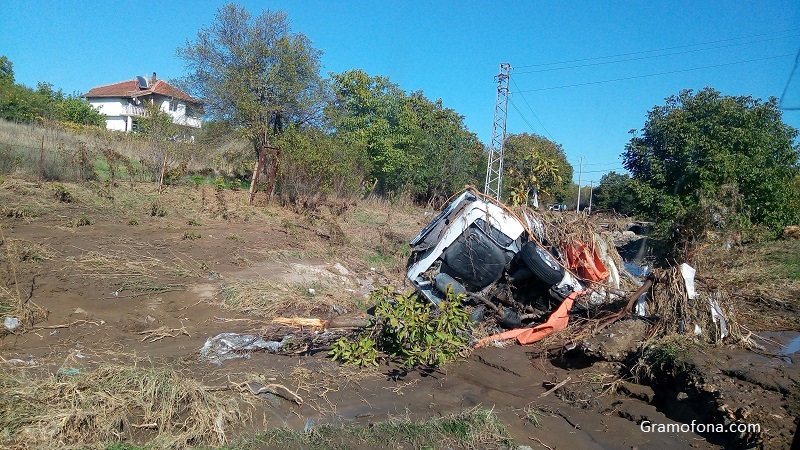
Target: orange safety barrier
[(584, 261), (557, 321)]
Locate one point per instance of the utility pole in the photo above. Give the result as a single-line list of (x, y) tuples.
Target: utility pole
[(580, 174), (494, 167), (591, 193)]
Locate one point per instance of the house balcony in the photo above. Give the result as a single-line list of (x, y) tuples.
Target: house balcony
[(132, 110), (177, 118)]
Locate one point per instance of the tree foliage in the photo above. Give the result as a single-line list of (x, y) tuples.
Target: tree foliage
[(533, 163), (616, 192), (22, 104), (408, 142), (315, 162), (156, 124), (700, 149), (6, 71), (254, 73)]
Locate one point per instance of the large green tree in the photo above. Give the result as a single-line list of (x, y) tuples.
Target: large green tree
[(408, 142), (705, 151), (532, 165), (255, 74)]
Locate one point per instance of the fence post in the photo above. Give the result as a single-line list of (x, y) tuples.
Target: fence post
[(41, 162)]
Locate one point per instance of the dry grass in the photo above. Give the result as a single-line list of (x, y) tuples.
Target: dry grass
[(763, 279), (15, 302), (111, 404), (21, 250), (136, 264), (271, 299)]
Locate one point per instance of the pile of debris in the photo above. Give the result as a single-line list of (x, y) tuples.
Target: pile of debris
[(530, 272)]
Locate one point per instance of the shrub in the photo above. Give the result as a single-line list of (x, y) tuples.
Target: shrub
[(157, 209), (62, 194), (191, 235), (414, 331), (83, 221)]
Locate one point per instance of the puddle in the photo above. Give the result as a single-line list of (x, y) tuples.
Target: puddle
[(791, 348)]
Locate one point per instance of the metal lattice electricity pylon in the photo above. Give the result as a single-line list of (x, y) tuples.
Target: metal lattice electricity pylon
[(494, 168)]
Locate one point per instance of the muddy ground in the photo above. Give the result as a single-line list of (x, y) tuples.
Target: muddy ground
[(134, 288)]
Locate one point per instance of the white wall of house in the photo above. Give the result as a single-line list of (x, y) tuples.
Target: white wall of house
[(108, 106), (119, 112)]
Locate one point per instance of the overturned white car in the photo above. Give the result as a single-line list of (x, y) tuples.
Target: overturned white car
[(481, 249)]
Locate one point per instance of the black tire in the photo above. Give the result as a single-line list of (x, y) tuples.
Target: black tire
[(542, 264)]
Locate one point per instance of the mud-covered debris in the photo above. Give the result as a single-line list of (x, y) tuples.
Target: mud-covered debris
[(637, 391), (617, 341)]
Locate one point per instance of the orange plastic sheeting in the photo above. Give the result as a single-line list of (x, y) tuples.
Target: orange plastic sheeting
[(557, 321), (585, 261)]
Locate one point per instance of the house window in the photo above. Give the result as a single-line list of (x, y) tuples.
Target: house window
[(173, 105)]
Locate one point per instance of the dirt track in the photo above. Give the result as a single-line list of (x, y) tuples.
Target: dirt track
[(144, 294)]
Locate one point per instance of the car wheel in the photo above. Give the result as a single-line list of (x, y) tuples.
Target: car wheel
[(541, 263)]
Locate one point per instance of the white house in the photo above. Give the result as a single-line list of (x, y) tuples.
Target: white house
[(123, 102)]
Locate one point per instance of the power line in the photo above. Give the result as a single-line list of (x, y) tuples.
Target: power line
[(655, 74), (649, 57), (788, 82), (520, 114), (655, 50), (602, 164), (603, 171), (532, 111)]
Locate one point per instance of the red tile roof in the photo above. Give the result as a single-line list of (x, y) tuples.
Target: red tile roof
[(130, 89)]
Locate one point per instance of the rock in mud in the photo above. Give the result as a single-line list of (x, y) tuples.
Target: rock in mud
[(617, 341)]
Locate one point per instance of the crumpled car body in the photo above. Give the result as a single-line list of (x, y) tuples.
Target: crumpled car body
[(481, 249)]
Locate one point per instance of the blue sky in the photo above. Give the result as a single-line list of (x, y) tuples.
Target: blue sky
[(451, 50)]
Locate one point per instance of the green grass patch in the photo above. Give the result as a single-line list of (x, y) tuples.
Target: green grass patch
[(474, 428), (784, 258), (380, 259), (366, 218)]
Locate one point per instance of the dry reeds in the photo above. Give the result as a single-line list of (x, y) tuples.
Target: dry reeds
[(113, 403), (12, 304), (134, 264), (677, 314)]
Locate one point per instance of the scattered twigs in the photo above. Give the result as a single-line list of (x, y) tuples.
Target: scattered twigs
[(272, 388), (65, 325), (554, 388), (541, 443), (163, 332)]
